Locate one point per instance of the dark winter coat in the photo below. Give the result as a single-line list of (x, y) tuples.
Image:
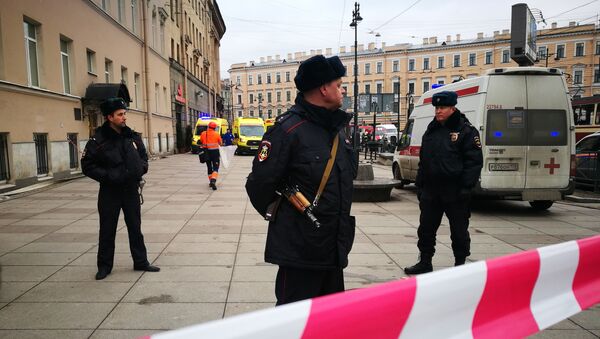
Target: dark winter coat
[(297, 149), (450, 159), (115, 159)]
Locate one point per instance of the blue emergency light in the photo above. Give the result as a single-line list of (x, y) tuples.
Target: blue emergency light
[(498, 134), (434, 86), (554, 133)]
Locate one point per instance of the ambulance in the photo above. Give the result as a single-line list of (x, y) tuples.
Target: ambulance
[(202, 125), (247, 134), (269, 123), (525, 119)]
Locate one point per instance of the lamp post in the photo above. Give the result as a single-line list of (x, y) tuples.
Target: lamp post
[(260, 99), (409, 103), (356, 18)]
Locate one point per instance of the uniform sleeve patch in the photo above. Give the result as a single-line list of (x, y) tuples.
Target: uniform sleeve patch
[(477, 141), (264, 150)]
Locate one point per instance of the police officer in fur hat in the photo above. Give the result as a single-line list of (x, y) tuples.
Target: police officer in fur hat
[(294, 153), (116, 157), (449, 167)]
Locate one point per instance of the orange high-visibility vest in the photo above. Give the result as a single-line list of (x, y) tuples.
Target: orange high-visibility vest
[(210, 139)]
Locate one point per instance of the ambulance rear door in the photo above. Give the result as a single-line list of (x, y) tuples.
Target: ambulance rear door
[(505, 138)]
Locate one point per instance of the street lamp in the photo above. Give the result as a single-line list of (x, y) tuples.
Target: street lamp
[(356, 18)]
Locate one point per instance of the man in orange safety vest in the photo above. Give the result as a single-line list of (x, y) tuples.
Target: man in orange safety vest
[(211, 140)]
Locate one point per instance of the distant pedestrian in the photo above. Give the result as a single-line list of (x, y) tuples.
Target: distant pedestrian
[(211, 140), (450, 163), (295, 154), (116, 157), (228, 138)]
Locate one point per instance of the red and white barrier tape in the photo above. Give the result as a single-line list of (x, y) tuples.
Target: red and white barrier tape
[(507, 297)]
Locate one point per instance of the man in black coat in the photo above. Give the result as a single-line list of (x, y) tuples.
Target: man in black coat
[(116, 157), (295, 152), (450, 164)]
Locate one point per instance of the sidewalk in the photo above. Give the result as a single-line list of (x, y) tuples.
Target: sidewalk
[(209, 245)]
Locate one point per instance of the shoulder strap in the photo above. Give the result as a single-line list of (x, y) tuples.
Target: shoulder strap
[(327, 169)]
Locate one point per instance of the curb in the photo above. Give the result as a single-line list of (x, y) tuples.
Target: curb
[(574, 198)]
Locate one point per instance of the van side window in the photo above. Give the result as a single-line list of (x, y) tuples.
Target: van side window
[(589, 144), (406, 135), (540, 127)]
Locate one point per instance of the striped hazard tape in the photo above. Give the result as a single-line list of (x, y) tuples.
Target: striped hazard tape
[(507, 297)]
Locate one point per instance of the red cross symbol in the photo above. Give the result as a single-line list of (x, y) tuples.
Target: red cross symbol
[(551, 165)]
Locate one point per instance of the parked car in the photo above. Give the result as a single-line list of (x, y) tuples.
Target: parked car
[(587, 173)]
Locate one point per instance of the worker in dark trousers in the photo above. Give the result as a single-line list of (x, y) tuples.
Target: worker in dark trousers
[(116, 157), (450, 162), (210, 140)]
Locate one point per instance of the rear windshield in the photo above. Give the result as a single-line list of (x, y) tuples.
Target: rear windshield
[(252, 131), (535, 127)]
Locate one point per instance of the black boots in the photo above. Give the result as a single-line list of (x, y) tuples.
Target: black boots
[(423, 266), (459, 261), (213, 184), (148, 268)]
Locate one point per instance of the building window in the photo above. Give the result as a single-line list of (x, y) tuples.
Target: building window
[(269, 96), (269, 113), (259, 79), (457, 60), (156, 96), (41, 152), (287, 76), (238, 80), (425, 86), (108, 70), (488, 58), (596, 76), (159, 142), (472, 58), (278, 77), (379, 88), (367, 68), (278, 111), (134, 16), (278, 96), (121, 10), (396, 66), (31, 32), (441, 62), (288, 96), (505, 56), (577, 77), (411, 64), (239, 99), (560, 51), (65, 64), (579, 49), (411, 87), (542, 51), (73, 154), (597, 47), (441, 81), (249, 79), (136, 90), (91, 61), (105, 4), (268, 78), (251, 113), (379, 67), (425, 63), (367, 88), (124, 75), (250, 97), (240, 114)]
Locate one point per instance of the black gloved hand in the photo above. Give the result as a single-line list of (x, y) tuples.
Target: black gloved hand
[(464, 194)]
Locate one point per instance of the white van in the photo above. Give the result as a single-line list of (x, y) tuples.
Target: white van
[(525, 119)]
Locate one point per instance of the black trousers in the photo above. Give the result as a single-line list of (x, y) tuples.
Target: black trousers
[(295, 284), (110, 202), (212, 163), (458, 213)]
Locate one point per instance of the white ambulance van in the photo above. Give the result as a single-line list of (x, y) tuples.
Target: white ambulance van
[(525, 119)]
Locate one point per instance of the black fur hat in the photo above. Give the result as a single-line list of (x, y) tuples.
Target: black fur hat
[(444, 98), (318, 70), (110, 105)]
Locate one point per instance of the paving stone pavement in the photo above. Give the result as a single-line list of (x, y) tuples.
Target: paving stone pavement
[(210, 245)]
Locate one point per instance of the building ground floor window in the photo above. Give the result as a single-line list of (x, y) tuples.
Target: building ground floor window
[(4, 170)]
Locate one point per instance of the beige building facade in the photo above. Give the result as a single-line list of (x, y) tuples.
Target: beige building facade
[(49, 60), (266, 86)]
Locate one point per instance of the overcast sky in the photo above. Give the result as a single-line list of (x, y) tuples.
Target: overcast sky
[(269, 27)]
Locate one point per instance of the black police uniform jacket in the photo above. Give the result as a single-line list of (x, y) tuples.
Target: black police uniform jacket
[(450, 158), (115, 159), (295, 151)]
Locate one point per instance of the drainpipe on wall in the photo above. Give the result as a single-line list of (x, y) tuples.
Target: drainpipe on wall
[(146, 81)]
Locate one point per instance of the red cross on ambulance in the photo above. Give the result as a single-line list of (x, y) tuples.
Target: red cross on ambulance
[(551, 165)]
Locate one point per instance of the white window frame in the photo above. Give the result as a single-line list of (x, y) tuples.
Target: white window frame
[(474, 55), (396, 66), (108, 70), (414, 64), (564, 48), (136, 89), (507, 51), (90, 57), (379, 67), (250, 82), (287, 76), (575, 49), (413, 83), (428, 59), (454, 60), (491, 53), (27, 56), (367, 68), (575, 70), (377, 83), (442, 79), (443, 59), (423, 81), (66, 82)]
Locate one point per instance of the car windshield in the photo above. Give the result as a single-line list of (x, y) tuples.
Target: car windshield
[(252, 131), (526, 127), (589, 144)]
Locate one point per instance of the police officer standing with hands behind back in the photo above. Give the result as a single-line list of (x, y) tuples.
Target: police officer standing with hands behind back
[(450, 164), (117, 159), (295, 153)]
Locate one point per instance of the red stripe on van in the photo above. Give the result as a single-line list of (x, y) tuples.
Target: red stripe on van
[(460, 93)]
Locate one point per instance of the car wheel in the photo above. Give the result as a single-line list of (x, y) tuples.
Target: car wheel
[(398, 176), (541, 205)]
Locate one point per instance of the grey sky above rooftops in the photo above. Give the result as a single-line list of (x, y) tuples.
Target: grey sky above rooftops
[(265, 28)]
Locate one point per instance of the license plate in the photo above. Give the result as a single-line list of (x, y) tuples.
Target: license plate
[(253, 147), (504, 166)]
